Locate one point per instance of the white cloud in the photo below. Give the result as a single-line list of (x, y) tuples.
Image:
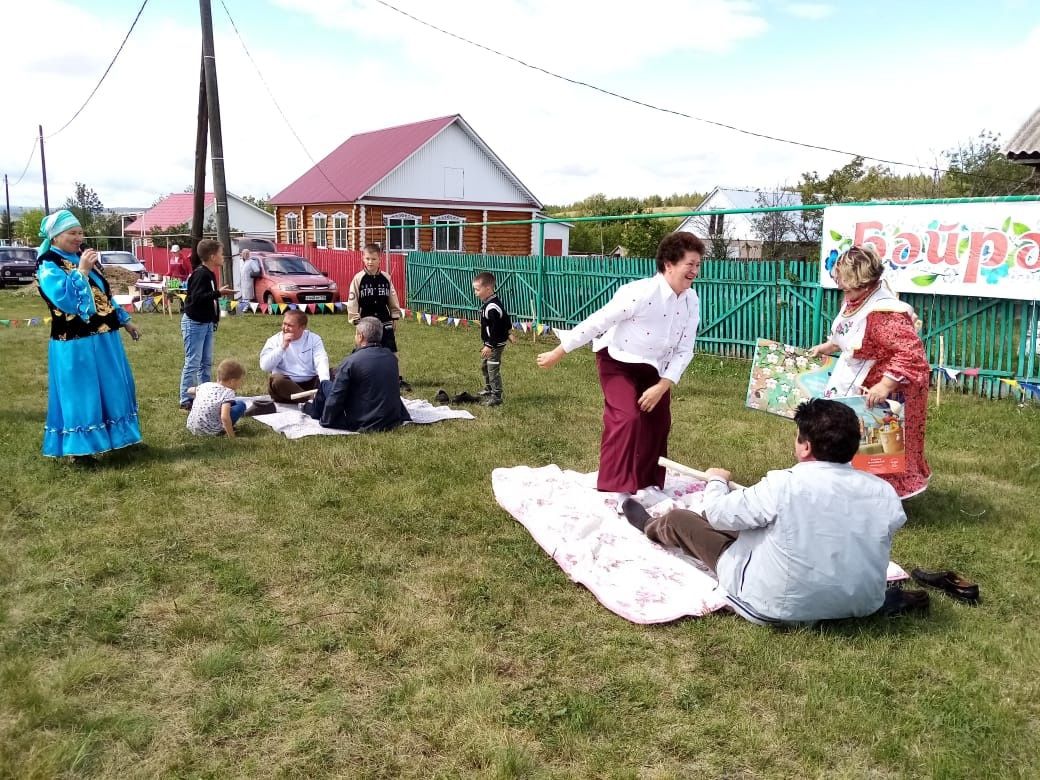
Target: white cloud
[(135, 140), (811, 11)]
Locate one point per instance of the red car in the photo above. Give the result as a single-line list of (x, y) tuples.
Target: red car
[(291, 279)]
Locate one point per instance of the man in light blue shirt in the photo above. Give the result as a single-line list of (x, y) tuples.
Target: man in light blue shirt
[(807, 543)]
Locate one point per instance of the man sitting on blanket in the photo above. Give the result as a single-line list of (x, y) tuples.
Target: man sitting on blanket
[(365, 395), (295, 358), (807, 543)]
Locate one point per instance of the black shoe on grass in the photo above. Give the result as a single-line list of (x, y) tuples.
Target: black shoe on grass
[(442, 397)]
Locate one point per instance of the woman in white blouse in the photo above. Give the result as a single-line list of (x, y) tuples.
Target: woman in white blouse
[(643, 340)]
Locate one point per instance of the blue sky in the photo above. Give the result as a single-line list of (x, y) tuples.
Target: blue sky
[(902, 80)]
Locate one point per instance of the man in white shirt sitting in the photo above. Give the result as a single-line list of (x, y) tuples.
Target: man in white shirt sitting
[(807, 543), (295, 358)]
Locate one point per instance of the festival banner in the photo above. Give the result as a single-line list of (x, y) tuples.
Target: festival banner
[(990, 250), (782, 377)]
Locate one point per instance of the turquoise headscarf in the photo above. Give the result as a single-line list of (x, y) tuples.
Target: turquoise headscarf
[(54, 225)]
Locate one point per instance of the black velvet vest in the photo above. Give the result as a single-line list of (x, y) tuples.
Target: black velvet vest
[(65, 326)]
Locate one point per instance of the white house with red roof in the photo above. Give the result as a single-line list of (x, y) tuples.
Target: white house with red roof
[(436, 172), (243, 217)]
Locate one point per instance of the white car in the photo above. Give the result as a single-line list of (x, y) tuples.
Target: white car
[(123, 260)]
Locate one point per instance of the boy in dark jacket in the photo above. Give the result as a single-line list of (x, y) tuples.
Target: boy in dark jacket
[(495, 327), (201, 314)]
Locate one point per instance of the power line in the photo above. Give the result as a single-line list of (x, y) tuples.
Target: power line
[(103, 75), (674, 112), (276, 105), (27, 162)]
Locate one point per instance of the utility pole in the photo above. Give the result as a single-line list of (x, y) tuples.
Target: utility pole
[(220, 206), (7, 200), (198, 214), (43, 164)]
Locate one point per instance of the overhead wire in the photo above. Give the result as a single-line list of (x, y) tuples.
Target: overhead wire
[(675, 112), (32, 154), (276, 104), (103, 75)]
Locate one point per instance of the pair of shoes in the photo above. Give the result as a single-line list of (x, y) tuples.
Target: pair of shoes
[(904, 602), (950, 582), (403, 383), (259, 407), (492, 400), (441, 397), (84, 460), (186, 405), (465, 398), (635, 513)]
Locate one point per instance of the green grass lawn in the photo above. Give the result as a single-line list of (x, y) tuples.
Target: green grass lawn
[(361, 607)]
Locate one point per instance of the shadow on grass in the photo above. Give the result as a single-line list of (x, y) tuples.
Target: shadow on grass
[(939, 507)]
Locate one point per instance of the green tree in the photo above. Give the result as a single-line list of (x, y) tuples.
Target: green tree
[(86, 206), (260, 203), (168, 236), (640, 237), (978, 168), (27, 227), (6, 227)]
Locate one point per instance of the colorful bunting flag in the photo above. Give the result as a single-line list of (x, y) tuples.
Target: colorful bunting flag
[(311, 308), (1033, 388), (253, 305), (5, 323)]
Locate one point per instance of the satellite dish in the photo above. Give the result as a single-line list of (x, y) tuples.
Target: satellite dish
[(175, 248)]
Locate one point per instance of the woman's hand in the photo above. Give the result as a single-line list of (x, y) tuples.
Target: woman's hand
[(550, 359), (87, 261), (826, 348), (648, 400), (878, 393), (225, 290), (133, 330)]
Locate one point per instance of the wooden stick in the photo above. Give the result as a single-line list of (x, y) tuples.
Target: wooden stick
[(942, 374), (681, 469), (303, 395)]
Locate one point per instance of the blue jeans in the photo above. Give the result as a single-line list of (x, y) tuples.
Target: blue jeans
[(238, 408), (198, 354)]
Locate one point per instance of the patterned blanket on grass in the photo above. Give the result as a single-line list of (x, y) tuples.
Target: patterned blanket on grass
[(294, 424), (627, 573)]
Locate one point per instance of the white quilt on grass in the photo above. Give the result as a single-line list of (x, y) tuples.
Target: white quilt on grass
[(579, 527), (294, 424)]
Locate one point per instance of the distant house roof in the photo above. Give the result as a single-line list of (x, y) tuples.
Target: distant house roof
[(362, 161), (1025, 145), (751, 199), (175, 209)]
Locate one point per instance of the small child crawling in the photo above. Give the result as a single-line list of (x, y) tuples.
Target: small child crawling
[(215, 409)]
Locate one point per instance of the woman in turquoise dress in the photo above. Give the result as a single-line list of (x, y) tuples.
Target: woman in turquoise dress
[(92, 401)]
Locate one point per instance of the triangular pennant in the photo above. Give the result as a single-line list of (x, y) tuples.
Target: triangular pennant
[(46, 320), (157, 299), (970, 372), (182, 296), (311, 308), (129, 307), (418, 317), (951, 373), (138, 305), (14, 323), (232, 306), (5, 323), (262, 307), (1010, 382), (1033, 388), (35, 321), (253, 305)]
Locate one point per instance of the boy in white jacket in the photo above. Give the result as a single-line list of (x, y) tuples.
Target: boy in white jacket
[(807, 543)]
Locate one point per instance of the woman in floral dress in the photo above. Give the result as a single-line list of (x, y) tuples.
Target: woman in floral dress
[(882, 356)]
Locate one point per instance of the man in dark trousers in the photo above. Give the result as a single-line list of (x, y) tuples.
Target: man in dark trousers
[(364, 396), (372, 294)]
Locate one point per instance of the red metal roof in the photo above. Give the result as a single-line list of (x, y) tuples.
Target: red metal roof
[(172, 210), (359, 163)]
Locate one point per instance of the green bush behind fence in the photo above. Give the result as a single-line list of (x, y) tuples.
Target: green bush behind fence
[(741, 301)]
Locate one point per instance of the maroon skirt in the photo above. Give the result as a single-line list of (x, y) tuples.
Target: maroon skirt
[(632, 440)]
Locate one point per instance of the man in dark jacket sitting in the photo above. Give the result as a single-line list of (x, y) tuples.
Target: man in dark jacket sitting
[(365, 395)]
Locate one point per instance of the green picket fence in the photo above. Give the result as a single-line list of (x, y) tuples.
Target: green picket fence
[(741, 301)]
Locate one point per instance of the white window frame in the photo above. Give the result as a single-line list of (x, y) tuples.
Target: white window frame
[(321, 234), (340, 232), (448, 221), (412, 235), (292, 228)]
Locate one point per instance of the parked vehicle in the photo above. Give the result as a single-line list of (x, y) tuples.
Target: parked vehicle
[(124, 260), (253, 244), (291, 279), (17, 265)]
